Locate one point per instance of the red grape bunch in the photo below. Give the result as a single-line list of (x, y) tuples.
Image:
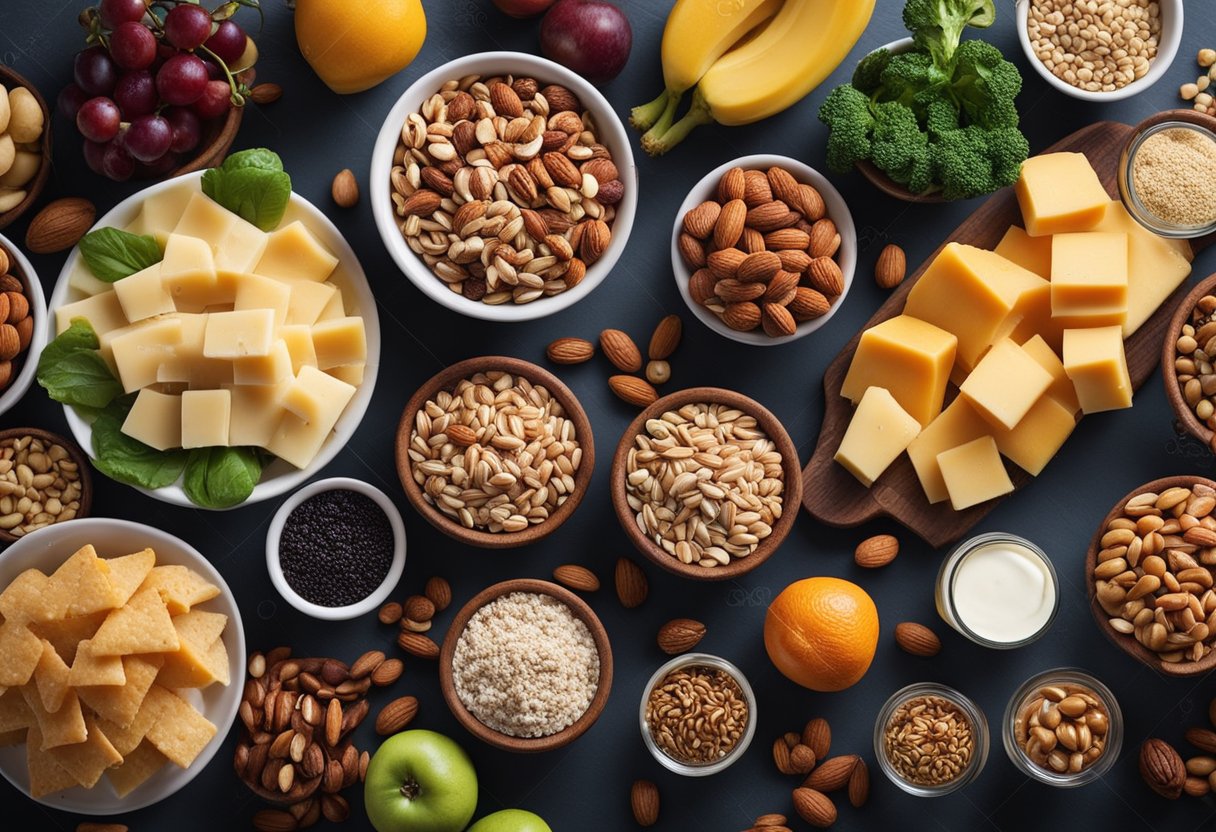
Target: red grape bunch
[(154, 73)]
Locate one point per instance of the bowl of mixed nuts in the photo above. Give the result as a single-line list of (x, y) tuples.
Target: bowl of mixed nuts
[(44, 480), (1149, 573), (495, 452), (503, 186), (23, 324), (706, 483), (1188, 362)]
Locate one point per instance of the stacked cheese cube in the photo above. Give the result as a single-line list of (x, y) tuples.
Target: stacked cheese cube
[(1031, 334), (237, 337)]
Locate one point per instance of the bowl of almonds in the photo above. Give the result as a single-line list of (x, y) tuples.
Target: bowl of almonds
[(764, 250), (503, 186), (22, 324), (1188, 358), (706, 483), (1149, 571)]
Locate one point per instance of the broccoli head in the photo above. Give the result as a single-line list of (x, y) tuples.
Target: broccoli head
[(868, 74), (900, 148), (985, 84), (941, 116), (846, 112), (937, 25), (974, 161)]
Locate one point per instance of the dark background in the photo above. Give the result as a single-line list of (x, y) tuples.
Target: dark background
[(586, 786)]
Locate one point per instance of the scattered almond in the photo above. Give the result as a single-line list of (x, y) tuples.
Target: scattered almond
[(876, 551), (419, 608), (345, 189), (619, 348), (814, 807), (388, 672), (390, 613), (832, 773), (418, 645), (365, 664), (818, 736), (101, 827), (666, 338), (396, 715), (802, 759), (680, 635), (634, 390), (891, 267), (631, 584), (644, 801), (265, 93), (770, 820), (60, 225), (439, 591), (570, 351), (859, 784), (917, 639), (578, 578)]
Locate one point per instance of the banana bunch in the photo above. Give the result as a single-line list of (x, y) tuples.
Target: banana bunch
[(748, 60)]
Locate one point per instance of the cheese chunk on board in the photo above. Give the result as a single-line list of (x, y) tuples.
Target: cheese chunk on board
[(1061, 388), (958, 424), (878, 433), (1031, 253), (1096, 364), (1059, 193), (973, 473), (1005, 384), (1038, 436), (909, 358), (1089, 278)]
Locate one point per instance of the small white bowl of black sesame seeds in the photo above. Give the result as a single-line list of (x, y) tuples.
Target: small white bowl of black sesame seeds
[(336, 548)]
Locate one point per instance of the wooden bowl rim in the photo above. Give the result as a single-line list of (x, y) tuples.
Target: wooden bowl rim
[(526, 745), (891, 188), (213, 154), (1173, 391), (443, 380), (82, 468), (791, 497), (1126, 643), (36, 185)]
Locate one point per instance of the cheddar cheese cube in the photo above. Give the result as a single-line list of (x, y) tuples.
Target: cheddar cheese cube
[(308, 300), (139, 350), (257, 292), (206, 416), (83, 281), (271, 369), (1095, 362), (298, 339), (973, 473), (257, 411), (879, 431), (1061, 388), (239, 334), (205, 219), (155, 419), (1155, 266), (958, 424), (188, 270), (240, 248), (907, 357), (161, 213), (103, 312), (1089, 278), (1005, 384), (339, 341), (1031, 253), (293, 252), (1038, 436), (1060, 193)]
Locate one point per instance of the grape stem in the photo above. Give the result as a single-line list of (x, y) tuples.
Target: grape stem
[(238, 99)]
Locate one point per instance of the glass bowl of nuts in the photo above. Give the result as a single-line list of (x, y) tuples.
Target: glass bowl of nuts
[(930, 740), (1187, 365), (1149, 575), (503, 186), (44, 480), (688, 740), (495, 452), (1063, 727), (22, 324), (763, 250), (706, 483)]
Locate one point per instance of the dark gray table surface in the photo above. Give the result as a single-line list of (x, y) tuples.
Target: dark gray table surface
[(586, 785)]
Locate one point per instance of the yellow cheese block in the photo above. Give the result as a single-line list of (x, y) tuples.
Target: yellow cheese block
[(143, 295), (350, 373), (1005, 384), (103, 312), (83, 281), (909, 358), (1061, 388), (256, 414), (257, 292), (292, 252), (270, 369), (1060, 193), (140, 350), (314, 402), (973, 294), (1096, 364), (205, 418), (1037, 438), (240, 248), (238, 334), (958, 424), (188, 270), (333, 308), (1034, 309), (879, 431), (155, 419), (298, 339), (1089, 278), (973, 473), (205, 219), (339, 341), (1031, 253), (308, 300), (162, 212)]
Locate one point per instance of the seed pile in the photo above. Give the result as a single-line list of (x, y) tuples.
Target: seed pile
[(928, 741), (336, 548), (39, 485), (1172, 173), (697, 714), (1099, 45), (525, 666), (497, 453)]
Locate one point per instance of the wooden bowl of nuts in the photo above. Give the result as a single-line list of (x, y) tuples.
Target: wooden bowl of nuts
[(516, 458), (29, 127), (23, 324), (44, 479), (1185, 356), (1158, 543), (757, 465), (500, 651)]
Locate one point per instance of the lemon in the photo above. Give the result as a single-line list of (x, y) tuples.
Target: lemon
[(353, 46)]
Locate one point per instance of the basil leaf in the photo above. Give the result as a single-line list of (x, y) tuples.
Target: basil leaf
[(112, 254), (73, 372), (122, 458), (221, 477), (256, 194)]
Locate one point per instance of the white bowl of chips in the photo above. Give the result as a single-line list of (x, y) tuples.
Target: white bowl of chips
[(166, 722)]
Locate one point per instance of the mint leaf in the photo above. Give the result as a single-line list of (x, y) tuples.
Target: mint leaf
[(122, 458), (112, 254), (254, 157), (221, 477), (252, 185), (73, 372)]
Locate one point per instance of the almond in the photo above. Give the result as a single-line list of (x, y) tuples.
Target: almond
[(333, 722), (18, 307), (365, 664), (596, 237), (781, 756), (787, 238), (794, 261), (770, 216), (415, 626), (602, 170), (777, 321), (751, 241), (417, 608), (1196, 787), (734, 291), (4, 306), (917, 639), (6, 373), (1202, 738), (461, 435), (570, 351), (810, 203), (619, 348), (631, 583), (818, 736), (859, 784), (700, 221), (644, 801), (814, 807), (732, 185), (439, 591), (783, 185), (758, 267), (535, 226), (562, 170), (505, 100), (60, 225), (468, 212), (680, 635), (731, 220), (636, 391), (808, 304), (782, 288), (396, 715), (345, 189), (611, 192), (725, 262), (560, 99), (691, 250), (10, 342), (274, 820), (578, 578), (388, 672), (521, 185), (824, 238), (891, 267), (769, 822), (25, 330), (756, 190), (558, 245), (876, 551), (422, 202), (418, 645), (665, 338), (832, 774), (1162, 768), (101, 827), (802, 759), (701, 286), (743, 317), (825, 275)]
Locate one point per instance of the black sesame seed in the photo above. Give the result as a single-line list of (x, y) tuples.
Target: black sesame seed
[(336, 548)]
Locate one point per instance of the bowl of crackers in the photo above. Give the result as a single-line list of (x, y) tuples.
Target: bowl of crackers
[(118, 651)]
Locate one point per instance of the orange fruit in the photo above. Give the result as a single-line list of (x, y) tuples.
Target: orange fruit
[(353, 46), (821, 633)]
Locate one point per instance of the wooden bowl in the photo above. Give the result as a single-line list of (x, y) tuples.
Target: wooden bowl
[(1173, 390), (1128, 643), (217, 137), (34, 187), (526, 745), (791, 498), (446, 380), (82, 468), (892, 188)]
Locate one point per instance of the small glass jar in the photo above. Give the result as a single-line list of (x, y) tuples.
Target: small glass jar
[(1102, 712), (967, 709), (1127, 184), (698, 769), (950, 591)]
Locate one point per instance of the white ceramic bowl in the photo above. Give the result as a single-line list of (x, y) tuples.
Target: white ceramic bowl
[(1167, 48), (278, 477), (386, 587), (611, 133), (46, 550), (29, 367), (837, 211)]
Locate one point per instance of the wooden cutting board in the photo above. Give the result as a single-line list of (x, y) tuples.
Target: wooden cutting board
[(833, 496)]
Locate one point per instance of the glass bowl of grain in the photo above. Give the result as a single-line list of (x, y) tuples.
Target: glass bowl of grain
[(709, 738), (1166, 173), (930, 740)]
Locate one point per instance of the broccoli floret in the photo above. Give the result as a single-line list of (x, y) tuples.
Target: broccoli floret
[(941, 116), (937, 25), (846, 112), (974, 161), (985, 85), (868, 74), (912, 79), (899, 146)]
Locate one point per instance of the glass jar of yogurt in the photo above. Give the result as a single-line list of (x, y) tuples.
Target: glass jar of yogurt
[(999, 590)]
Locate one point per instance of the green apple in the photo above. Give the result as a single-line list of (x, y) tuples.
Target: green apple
[(511, 820), (420, 781)]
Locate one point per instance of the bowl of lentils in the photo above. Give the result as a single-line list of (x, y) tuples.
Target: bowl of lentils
[(526, 666), (336, 549)]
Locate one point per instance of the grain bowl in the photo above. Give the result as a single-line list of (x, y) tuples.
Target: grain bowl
[(930, 740)]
